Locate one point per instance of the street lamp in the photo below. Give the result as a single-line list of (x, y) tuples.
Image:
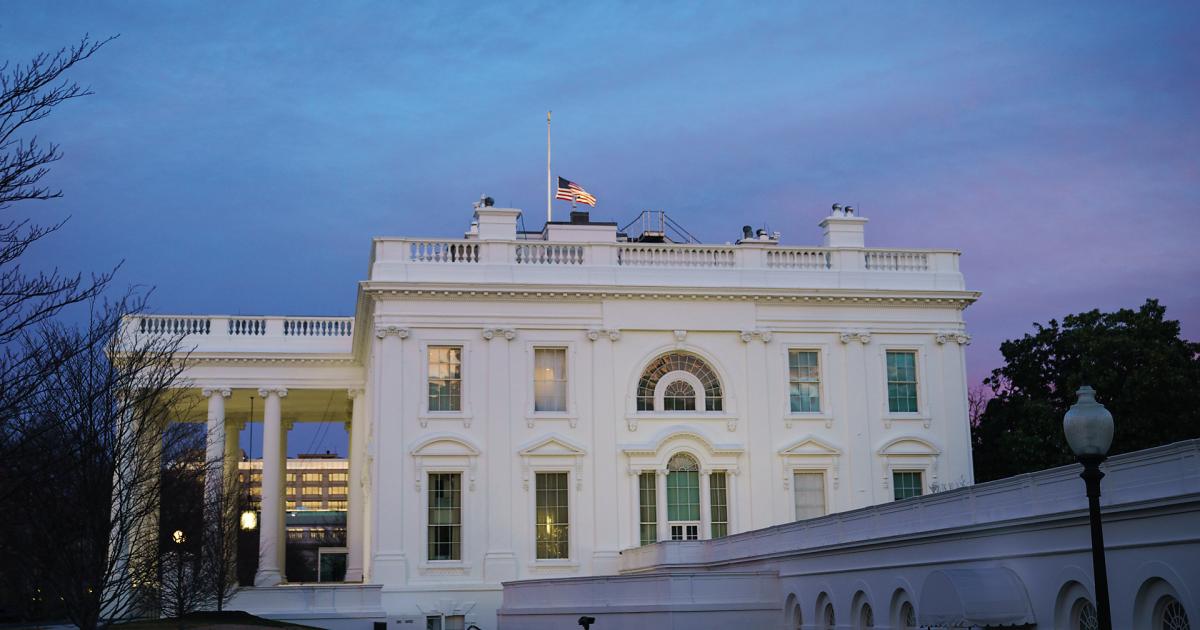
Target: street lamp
[(1089, 429)]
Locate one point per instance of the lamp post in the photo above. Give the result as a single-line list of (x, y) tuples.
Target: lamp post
[(1089, 429)]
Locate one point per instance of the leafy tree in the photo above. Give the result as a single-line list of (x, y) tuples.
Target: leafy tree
[(1143, 371)]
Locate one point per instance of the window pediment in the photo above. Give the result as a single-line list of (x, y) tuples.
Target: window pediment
[(552, 451)]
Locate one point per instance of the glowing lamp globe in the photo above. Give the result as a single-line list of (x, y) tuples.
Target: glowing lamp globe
[(1088, 426), (249, 520)]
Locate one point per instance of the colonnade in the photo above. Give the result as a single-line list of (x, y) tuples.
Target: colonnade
[(221, 444)]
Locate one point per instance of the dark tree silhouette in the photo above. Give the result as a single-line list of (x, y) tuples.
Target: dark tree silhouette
[(1143, 371)]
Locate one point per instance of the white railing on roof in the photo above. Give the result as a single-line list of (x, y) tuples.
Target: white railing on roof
[(549, 254), (251, 326), (642, 255), (318, 326), (444, 251), (798, 259), (895, 260), (174, 325)]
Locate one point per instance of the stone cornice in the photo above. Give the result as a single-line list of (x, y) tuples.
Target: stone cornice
[(343, 360), (957, 299)]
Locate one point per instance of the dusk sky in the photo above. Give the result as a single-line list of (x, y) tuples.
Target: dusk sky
[(239, 161)]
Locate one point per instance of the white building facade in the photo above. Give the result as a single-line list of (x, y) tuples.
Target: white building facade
[(527, 406)]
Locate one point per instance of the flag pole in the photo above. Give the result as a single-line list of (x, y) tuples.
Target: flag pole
[(548, 196)]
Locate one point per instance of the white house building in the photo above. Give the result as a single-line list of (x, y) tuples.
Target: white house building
[(529, 405)]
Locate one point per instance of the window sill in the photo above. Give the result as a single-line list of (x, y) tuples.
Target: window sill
[(800, 416), (462, 416), (889, 418), (533, 417), (731, 420), (553, 565), (443, 567)]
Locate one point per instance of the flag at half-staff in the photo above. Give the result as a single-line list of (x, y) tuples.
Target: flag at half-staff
[(570, 191)]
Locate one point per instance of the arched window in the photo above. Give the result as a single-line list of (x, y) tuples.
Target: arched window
[(683, 497), (1083, 615), (1170, 615), (679, 392), (830, 621), (908, 616), (866, 617)]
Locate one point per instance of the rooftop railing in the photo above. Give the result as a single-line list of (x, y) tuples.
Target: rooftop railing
[(237, 326), (666, 255)]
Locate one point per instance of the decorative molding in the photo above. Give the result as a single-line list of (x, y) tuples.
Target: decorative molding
[(861, 336), (594, 334), (387, 331), (508, 333), (225, 392), (354, 392), (282, 392), (680, 335), (957, 299), (749, 335), (552, 450), (959, 337)]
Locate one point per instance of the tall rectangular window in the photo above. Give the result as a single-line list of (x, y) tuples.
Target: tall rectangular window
[(718, 497), (907, 484), (445, 516), (808, 489), (902, 381), (445, 378), (550, 379), (804, 380), (553, 517), (683, 495), (648, 507)]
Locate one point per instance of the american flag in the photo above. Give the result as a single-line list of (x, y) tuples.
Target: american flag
[(570, 191)]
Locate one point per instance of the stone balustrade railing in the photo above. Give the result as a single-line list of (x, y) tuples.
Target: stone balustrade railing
[(666, 255), (237, 326)]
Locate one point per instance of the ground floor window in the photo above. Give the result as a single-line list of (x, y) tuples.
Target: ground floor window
[(445, 516), (907, 484), (718, 493), (648, 507), (808, 490), (552, 516), (445, 622)]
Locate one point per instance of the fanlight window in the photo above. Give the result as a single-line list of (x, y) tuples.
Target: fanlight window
[(679, 395)]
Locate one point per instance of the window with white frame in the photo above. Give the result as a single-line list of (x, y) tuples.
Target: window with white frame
[(553, 516), (648, 507), (445, 622), (808, 490), (804, 381), (445, 378), (907, 484), (718, 493), (445, 516), (902, 381), (550, 379), (683, 497), (679, 393)]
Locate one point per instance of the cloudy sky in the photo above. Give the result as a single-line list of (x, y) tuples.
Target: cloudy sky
[(239, 160)]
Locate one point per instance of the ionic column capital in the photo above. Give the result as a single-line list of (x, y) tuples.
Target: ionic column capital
[(388, 331), (208, 392), (354, 392), (281, 392), (507, 333)]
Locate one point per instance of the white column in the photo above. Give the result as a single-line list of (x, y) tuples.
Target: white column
[(705, 505), (355, 511), (660, 503), (269, 543), (214, 453), (499, 562), (281, 532)]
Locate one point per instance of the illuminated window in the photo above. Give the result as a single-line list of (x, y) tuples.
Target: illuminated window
[(310, 505), (445, 516), (295, 534), (291, 491), (313, 476), (339, 476), (553, 528), (337, 505), (256, 491), (291, 505), (342, 490), (291, 477), (256, 476), (902, 381), (804, 381), (445, 378), (550, 379)]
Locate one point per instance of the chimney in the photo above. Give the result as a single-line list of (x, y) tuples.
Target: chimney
[(496, 223), (843, 228), (580, 217)]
